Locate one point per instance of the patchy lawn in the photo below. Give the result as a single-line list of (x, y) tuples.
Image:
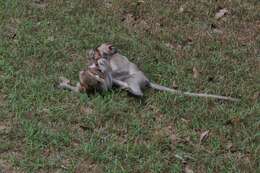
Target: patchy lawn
[(176, 43)]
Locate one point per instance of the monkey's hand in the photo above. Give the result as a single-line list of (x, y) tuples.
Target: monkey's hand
[(63, 82)]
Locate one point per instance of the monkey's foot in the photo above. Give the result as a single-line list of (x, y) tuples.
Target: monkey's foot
[(64, 83), (64, 80)]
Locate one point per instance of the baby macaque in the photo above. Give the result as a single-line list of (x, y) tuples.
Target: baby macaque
[(96, 77)]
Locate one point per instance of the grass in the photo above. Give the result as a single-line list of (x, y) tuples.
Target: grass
[(44, 129)]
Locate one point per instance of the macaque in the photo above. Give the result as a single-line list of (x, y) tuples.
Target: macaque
[(128, 76), (96, 77)]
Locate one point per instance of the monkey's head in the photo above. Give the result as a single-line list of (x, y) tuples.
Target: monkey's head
[(87, 81), (102, 51), (83, 79)]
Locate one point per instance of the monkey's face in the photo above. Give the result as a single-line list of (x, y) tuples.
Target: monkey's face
[(106, 49), (102, 51)]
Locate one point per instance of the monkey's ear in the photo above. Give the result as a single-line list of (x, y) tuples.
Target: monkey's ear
[(91, 53)]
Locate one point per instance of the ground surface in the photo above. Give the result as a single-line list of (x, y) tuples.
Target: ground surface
[(181, 43)]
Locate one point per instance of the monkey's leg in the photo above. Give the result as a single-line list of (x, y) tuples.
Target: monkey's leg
[(135, 90), (64, 85), (136, 83), (134, 87), (130, 84), (121, 84)]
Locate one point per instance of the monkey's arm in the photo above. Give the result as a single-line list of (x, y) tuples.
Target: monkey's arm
[(64, 84), (70, 87)]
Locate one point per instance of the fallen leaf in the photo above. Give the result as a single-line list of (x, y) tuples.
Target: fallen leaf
[(233, 121), (256, 96), (258, 24), (180, 158), (50, 38), (221, 13), (187, 169), (129, 19), (84, 127), (169, 45), (46, 152), (108, 3), (39, 4), (229, 145), (184, 120), (86, 110), (11, 32), (174, 85), (45, 110), (3, 127), (187, 42), (140, 1), (204, 136), (173, 45), (181, 9), (143, 25), (236, 120), (217, 31), (174, 138), (195, 73), (65, 164), (76, 142), (29, 115)]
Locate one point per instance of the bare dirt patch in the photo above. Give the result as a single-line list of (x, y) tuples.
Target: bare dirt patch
[(6, 167), (88, 166), (2, 98)]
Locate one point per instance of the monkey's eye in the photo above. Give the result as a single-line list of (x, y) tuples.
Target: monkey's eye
[(105, 55)]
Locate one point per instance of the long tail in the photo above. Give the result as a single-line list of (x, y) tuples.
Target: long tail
[(163, 88)]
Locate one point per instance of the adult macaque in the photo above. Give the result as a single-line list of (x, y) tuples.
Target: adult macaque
[(127, 75)]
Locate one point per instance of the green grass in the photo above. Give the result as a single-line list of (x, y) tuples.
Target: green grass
[(44, 129)]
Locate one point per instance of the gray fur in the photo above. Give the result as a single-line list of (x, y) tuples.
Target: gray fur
[(128, 76)]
